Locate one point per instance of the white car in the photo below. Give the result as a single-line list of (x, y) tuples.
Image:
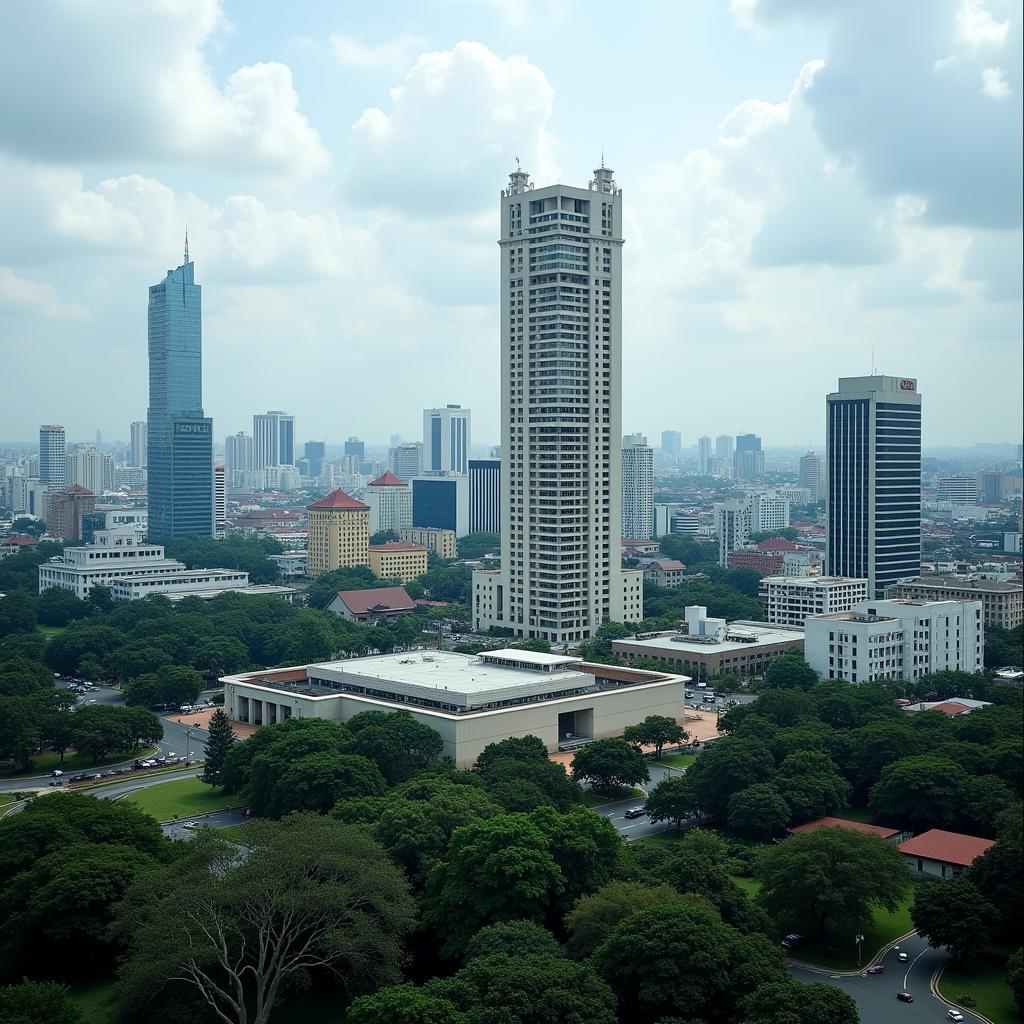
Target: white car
[(190, 824), (954, 1015), (903, 957)]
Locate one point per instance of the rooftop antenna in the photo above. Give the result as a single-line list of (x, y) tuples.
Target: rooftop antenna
[(186, 243), (602, 156)]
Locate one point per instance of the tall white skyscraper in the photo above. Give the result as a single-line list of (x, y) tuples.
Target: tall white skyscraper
[(734, 524), (273, 436), (238, 456), (873, 506), (637, 488), (406, 460), (703, 455), (810, 474), (446, 440), (220, 501), (137, 454), (561, 394), (723, 447), (53, 457), (90, 468)]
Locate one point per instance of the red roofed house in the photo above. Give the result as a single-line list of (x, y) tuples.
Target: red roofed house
[(372, 605), (942, 854), (390, 501), (18, 542), (892, 834), (664, 572), (339, 533)]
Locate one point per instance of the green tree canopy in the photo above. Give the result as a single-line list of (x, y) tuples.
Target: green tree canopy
[(790, 672), (726, 767), (953, 913), (513, 938), (609, 765), (920, 792), (791, 1002), (33, 1001), (758, 812), (656, 730)]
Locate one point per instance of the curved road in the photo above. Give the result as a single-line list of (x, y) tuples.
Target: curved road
[(875, 995)]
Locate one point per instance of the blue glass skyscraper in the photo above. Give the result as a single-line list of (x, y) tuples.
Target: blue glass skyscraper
[(180, 437)]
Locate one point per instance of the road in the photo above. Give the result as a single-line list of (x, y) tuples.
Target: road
[(216, 819), (875, 995)]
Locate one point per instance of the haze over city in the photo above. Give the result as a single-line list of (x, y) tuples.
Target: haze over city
[(809, 190)]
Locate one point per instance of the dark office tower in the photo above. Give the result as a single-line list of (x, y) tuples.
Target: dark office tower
[(179, 437), (873, 504), (748, 459), (314, 452), (53, 457), (353, 446), (485, 495)]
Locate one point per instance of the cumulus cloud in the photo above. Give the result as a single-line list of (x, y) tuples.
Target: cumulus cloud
[(133, 82), (19, 295), (451, 133), (994, 84), (393, 54)]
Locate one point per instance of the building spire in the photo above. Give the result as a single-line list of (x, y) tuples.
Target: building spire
[(186, 244)]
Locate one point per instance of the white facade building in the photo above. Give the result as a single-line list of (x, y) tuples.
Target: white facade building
[(406, 460), (637, 488), (561, 401), (187, 581), (390, 501), (788, 601), (136, 519), (220, 501), (446, 440), (960, 490), (896, 639), (768, 512), (273, 435), (733, 524), (238, 457), (53, 457), (811, 476), (704, 455), (137, 456), (90, 468)]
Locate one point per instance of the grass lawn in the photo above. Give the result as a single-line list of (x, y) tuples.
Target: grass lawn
[(43, 764), (984, 978), (236, 833), (91, 999), (51, 630), (661, 839), (592, 799), (182, 798), (751, 886), (678, 760)]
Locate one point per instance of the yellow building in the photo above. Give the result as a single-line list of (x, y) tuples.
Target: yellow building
[(398, 561), (339, 533), (441, 542)]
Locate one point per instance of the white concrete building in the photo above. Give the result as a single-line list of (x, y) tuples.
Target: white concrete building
[(137, 451), (811, 476), (704, 455), (390, 501), (273, 435), (768, 512), (561, 414), (183, 582), (90, 468), (136, 519), (788, 601), (896, 639), (53, 457), (637, 488), (802, 563), (406, 460), (960, 490), (113, 555), (734, 525), (471, 700), (446, 440)]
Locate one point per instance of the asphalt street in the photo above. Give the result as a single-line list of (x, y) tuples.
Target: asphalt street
[(875, 995), (215, 819)]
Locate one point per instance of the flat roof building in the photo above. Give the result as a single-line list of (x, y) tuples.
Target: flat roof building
[(471, 700), (397, 560), (1002, 602), (788, 600)]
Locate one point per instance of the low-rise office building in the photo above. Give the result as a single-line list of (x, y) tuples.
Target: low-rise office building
[(894, 639), (441, 542), (1002, 602), (788, 601), (941, 854), (185, 582), (471, 700), (397, 560)]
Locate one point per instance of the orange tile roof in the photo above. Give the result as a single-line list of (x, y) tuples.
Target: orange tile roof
[(339, 500), (948, 847), (387, 479), (853, 826), (950, 707), (383, 599)]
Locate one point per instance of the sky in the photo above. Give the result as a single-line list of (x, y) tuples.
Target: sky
[(810, 188)]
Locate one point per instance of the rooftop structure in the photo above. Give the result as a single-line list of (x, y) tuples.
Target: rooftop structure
[(372, 604), (789, 600), (1002, 601), (852, 826), (941, 853)]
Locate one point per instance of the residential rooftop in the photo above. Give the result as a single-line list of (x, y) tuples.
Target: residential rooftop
[(948, 847), (739, 635), (853, 826)]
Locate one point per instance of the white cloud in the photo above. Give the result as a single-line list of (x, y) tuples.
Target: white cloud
[(994, 84), (94, 80), (976, 26), (392, 54), (451, 133), (19, 295)]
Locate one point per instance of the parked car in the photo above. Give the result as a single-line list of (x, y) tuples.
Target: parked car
[(190, 824), (904, 997), (954, 1015), (709, 698), (792, 941), (635, 812), (877, 969), (688, 694)]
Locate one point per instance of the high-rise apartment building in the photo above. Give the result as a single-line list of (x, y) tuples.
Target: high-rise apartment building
[(179, 437), (238, 456), (273, 436), (637, 488), (314, 453), (734, 524), (768, 512), (810, 474), (137, 452), (355, 448), (960, 490), (53, 457), (406, 460), (671, 444), (390, 501), (873, 506), (66, 509), (561, 395), (446, 440), (723, 447), (748, 459), (220, 501), (339, 533), (90, 468), (484, 495), (704, 455)]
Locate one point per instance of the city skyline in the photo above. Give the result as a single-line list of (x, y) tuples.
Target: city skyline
[(308, 221)]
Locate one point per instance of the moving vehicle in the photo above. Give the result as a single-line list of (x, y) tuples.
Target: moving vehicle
[(635, 812), (954, 1015), (688, 694), (904, 997), (902, 956), (709, 698), (877, 969), (190, 824), (792, 941)]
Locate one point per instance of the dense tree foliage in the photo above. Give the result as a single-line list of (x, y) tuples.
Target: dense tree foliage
[(519, 775), (790, 1002), (477, 545), (953, 913), (33, 1001), (609, 765), (233, 552), (221, 738), (656, 731)]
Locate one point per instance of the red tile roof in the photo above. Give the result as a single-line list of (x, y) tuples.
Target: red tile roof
[(77, 489), (666, 564), (383, 599), (853, 826), (396, 545), (18, 540), (339, 499), (777, 544), (948, 847), (950, 707), (388, 479)]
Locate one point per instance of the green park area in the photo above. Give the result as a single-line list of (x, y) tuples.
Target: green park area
[(181, 798), (591, 798), (983, 978), (43, 764), (678, 760)]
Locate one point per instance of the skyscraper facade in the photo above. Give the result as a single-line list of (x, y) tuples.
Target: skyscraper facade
[(671, 444), (485, 496), (810, 474), (90, 468), (561, 394), (220, 501), (873, 506), (406, 460), (723, 447), (273, 435), (314, 452), (637, 488), (748, 459), (446, 440), (137, 455), (355, 448), (179, 437), (703, 455), (238, 456), (734, 524), (53, 457)]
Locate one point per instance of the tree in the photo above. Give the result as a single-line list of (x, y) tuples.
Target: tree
[(513, 938), (656, 730), (997, 873), (498, 869), (476, 545), (953, 913), (810, 783), (20, 733), (317, 782), (403, 1004), (398, 744), (790, 672), (599, 647), (1015, 976), (728, 766), (57, 607), (144, 727), (519, 748), (101, 729), (687, 961), (830, 876), (758, 812), (172, 685), (33, 1001), (673, 799), (877, 745), (221, 737), (609, 765), (592, 917), (791, 1002), (920, 792), (17, 613), (311, 894)]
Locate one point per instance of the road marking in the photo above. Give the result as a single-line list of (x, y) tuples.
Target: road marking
[(911, 967)]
